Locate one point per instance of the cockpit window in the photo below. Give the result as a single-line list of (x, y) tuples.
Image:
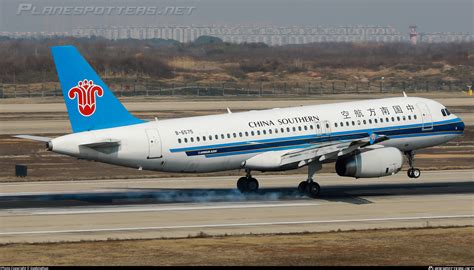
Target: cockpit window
[(445, 112)]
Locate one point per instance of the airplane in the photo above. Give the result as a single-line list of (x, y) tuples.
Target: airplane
[(363, 138)]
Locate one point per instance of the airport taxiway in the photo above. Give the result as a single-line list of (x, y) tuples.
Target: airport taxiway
[(179, 207)]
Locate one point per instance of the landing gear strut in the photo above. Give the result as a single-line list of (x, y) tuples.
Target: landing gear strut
[(412, 172), (247, 183), (310, 187)]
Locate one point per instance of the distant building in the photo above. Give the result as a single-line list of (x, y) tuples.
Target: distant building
[(271, 35)]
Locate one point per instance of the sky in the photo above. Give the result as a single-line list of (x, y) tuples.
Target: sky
[(428, 15)]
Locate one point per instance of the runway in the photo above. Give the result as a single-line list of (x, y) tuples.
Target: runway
[(179, 207)]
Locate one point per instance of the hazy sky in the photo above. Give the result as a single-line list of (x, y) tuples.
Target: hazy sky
[(428, 15)]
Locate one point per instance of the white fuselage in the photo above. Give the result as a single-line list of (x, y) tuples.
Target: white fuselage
[(226, 141)]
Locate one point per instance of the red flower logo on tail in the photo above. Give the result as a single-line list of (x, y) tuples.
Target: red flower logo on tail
[(85, 92)]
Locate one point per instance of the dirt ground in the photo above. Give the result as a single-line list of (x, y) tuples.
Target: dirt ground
[(426, 246)]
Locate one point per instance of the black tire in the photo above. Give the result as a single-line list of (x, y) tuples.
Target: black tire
[(242, 184), (410, 173), (252, 185), (313, 189), (302, 187), (416, 173)]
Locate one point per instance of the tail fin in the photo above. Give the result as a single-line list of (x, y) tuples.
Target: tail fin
[(90, 103)]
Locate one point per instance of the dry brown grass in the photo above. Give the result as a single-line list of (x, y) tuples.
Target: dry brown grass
[(427, 246)]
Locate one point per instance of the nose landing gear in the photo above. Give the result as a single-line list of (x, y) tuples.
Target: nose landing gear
[(412, 172)]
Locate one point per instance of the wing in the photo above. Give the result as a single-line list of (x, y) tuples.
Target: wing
[(326, 152)]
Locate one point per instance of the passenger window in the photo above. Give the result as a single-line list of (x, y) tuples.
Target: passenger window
[(311, 127), (353, 123), (276, 130), (404, 118), (409, 117), (375, 120), (253, 133), (342, 124), (222, 136), (240, 134), (443, 112), (365, 122), (447, 112), (210, 137), (287, 129), (235, 135), (228, 135), (264, 132), (370, 121), (299, 128), (398, 118), (335, 124), (203, 138), (387, 120), (192, 139), (197, 139), (381, 120), (179, 140), (393, 119), (414, 116), (294, 129), (327, 125), (282, 130), (246, 133), (347, 123), (269, 131), (185, 140), (258, 132)]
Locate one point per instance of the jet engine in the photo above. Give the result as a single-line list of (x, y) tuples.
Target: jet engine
[(374, 163)]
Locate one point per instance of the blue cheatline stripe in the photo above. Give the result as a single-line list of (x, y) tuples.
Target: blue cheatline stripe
[(259, 150), (302, 137)]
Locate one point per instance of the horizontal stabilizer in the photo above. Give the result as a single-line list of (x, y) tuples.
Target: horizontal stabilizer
[(102, 144), (34, 138)]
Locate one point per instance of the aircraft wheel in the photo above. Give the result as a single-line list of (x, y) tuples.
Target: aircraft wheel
[(416, 173), (242, 184), (410, 173), (313, 189), (252, 185), (302, 187)]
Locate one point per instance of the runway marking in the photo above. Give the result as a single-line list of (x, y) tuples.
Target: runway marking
[(238, 225), (157, 209)]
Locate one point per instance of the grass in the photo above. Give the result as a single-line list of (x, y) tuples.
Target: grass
[(423, 246)]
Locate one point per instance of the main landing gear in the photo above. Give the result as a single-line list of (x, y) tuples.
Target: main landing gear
[(309, 187), (412, 172), (247, 183)]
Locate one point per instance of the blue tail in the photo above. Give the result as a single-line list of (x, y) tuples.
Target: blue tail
[(90, 104)]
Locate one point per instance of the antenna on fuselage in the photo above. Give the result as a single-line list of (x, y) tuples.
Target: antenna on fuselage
[(404, 94), (229, 111)]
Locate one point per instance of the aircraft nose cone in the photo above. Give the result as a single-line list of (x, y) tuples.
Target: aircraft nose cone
[(461, 126)]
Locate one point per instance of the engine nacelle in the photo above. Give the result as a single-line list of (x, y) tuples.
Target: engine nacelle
[(373, 163)]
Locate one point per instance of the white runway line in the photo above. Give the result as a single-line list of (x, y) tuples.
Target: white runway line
[(239, 225), (155, 209)]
